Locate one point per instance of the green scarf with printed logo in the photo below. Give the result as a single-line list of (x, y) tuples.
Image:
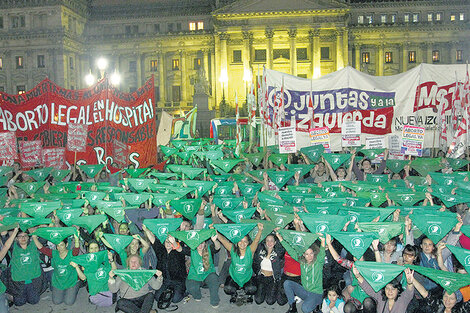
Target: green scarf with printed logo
[(160, 199), (89, 222), (386, 231), (268, 228), (228, 203), (227, 164), (302, 169), (377, 178), (135, 199), (168, 151), (278, 158), (323, 223), (118, 213), (40, 209), (443, 179), (26, 222), (119, 244), (237, 215), (39, 174), (406, 199), (435, 227), (336, 159), (178, 144), (264, 197), (372, 154), (161, 176), (396, 166), (426, 165), (193, 238), (91, 170), (140, 184), (297, 241), (457, 164), (313, 152), (187, 207), (193, 172), (249, 189), (462, 255), (296, 199), (55, 234), (280, 219), (277, 208), (234, 232), (30, 188), (356, 243), (255, 158), (451, 282), (450, 199), (280, 178), (378, 275), (201, 186), (162, 226), (185, 155), (136, 279), (91, 261)]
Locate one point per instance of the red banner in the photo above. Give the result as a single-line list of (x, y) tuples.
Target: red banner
[(30, 153), (45, 112), (54, 157)]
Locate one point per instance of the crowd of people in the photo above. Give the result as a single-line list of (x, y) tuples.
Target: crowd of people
[(355, 231)]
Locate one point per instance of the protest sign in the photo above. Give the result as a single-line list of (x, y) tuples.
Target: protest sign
[(394, 143), (320, 136), (54, 157), (287, 140), (412, 140), (30, 153), (8, 146), (76, 137), (351, 134), (375, 142), (120, 152)]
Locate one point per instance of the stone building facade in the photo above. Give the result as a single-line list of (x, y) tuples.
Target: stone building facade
[(190, 44)]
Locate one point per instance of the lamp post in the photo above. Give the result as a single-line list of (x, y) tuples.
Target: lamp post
[(223, 79), (102, 65)]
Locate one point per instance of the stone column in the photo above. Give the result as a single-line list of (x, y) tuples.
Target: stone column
[(404, 57), (184, 85), (380, 59), (357, 56), (293, 52), (453, 52), (161, 77), (142, 69), (224, 37), (29, 64), (316, 54), (247, 43), (139, 70), (429, 52), (339, 50), (205, 62), (269, 33), (345, 47)]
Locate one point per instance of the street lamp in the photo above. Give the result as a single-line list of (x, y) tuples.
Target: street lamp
[(89, 79), (223, 79), (115, 78)]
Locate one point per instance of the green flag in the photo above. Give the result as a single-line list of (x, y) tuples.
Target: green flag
[(25, 222), (386, 231), (278, 158), (451, 282), (378, 275), (89, 222), (228, 203), (67, 215), (91, 170), (168, 151), (462, 255), (140, 184), (238, 215), (118, 212), (407, 199), (396, 165), (234, 232), (187, 207), (323, 223), (135, 199), (118, 242), (297, 240), (162, 226), (372, 154), (313, 152), (435, 227), (135, 278), (193, 238), (280, 178), (280, 219), (255, 158), (160, 199), (201, 186), (425, 166), (185, 155), (39, 174), (55, 234), (356, 243), (30, 188), (91, 261), (302, 169), (193, 172), (457, 164), (227, 164), (336, 159), (268, 228), (377, 179), (40, 209)]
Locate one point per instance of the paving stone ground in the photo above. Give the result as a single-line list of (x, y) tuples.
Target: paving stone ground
[(83, 306)]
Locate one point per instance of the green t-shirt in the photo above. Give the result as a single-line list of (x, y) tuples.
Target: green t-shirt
[(312, 274), (98, 279), (25, 263), (64, 275), (196, 270), (241, 269)]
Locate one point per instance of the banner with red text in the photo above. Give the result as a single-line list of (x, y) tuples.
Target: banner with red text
[(45, 113)]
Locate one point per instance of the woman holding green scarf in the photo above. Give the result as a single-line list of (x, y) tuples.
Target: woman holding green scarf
[(311, 268), (64, 278), (3, 253), (202, 271), (27, 279), (241, 265)]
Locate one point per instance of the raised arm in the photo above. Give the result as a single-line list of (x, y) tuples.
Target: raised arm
[(332, 172), (254, 244), (8, 243), (351, 162), (79, 270), (149, 234), (227, 244)]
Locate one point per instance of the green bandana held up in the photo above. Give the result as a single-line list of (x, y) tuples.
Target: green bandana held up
[(443, 179), (185, 155), (296, 199), (396, 166), (278, 159), (67, 215), (237, 215), (227, 164), (89, 222), (161, 176), (178, 144), (40, 209), (457, 164), (426, 165), (91, 170), (302, 169), (255, 158), (268, 228), (140, 184), (134, 199), (5, 169), (55, 234), (263, 197), (449, 199), (462, 255), (277, 208), (377, 179), (234, 232), (193, 238), (117, 213), (118, 242), (25, 222), (355, 243), (39, 174), (187, 207), (323, 223), (451, 282), (313, 152), (280, 219), (91, 261), (378, 275), (299, 241), (214, 155), (249, 189), (280, 178), (160, 199), (168, 151), (8, 227), (407, 199), (335, 159), (372, 154), (162, 226), (435, 227), (30, 188), (135, 278), (201, 186), (193, 172), (228, 203), (386, 231)]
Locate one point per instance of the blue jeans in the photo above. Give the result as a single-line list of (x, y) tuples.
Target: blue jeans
[(311, 300), (3, 303), (67, 296), (212, 281)]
